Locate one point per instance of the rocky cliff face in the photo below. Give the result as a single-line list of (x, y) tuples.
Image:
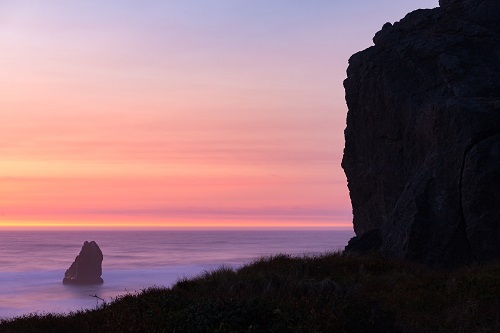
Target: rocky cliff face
[(422, 151)]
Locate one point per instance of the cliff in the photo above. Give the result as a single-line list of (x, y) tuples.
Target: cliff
[(422, 142)]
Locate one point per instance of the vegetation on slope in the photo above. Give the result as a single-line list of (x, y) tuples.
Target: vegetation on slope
[(329, 293)]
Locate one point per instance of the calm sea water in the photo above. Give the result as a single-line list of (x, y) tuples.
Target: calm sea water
[(32, 264)]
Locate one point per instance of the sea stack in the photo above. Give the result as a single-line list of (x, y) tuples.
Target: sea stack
[(87, 267), (422, 142)]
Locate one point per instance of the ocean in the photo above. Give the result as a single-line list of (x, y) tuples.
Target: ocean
[(32, 263)]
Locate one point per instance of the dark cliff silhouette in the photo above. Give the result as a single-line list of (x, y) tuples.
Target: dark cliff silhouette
[(422, 150)]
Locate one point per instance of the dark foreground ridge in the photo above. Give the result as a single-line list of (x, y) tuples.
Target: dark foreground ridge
[(422, 151), (87, 267), (329, 293)]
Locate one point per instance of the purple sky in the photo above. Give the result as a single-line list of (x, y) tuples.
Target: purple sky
[(206, 113)]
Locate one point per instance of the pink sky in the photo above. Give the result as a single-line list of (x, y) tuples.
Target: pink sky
[(224, 113)]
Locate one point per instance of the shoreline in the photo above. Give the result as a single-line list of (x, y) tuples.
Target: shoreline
[(333, 291)]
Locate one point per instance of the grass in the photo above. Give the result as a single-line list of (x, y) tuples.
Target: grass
[(329, 293)]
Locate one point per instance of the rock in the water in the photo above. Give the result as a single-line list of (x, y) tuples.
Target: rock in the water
[(422, 151), (87, 267)]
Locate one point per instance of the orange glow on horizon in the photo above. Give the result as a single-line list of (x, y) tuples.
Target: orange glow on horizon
[(153, 225)]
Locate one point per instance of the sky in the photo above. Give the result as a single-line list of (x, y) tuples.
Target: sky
[(192, 113)]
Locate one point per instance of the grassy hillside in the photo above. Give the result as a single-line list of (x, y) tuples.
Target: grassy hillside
[(329, 293)]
